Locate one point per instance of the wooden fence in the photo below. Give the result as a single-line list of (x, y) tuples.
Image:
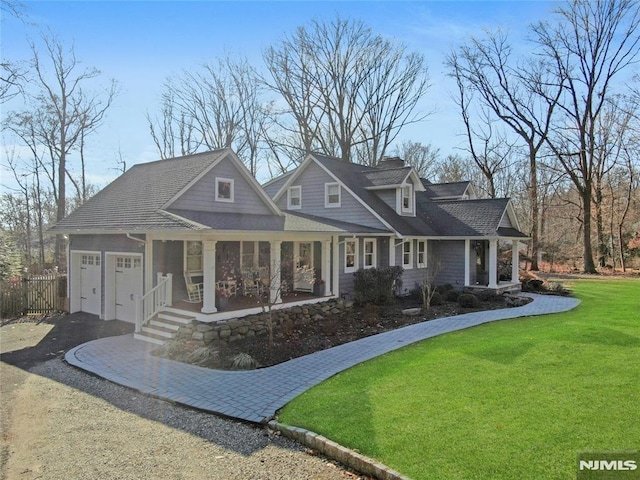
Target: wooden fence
[(32, 295)]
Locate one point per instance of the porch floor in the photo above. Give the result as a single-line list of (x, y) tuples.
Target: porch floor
[(242, 302)]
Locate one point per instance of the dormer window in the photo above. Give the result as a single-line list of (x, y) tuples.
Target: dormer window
[(294, 198), (224, 189), (407, 199), (331, 195)]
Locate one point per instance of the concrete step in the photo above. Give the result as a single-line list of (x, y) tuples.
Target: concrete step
[(158, 331), (163, 327), (174, 317), (150, 338)]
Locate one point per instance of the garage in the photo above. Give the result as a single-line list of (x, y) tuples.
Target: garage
[(124, 273)]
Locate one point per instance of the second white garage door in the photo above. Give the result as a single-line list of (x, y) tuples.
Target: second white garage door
[(128, 284)]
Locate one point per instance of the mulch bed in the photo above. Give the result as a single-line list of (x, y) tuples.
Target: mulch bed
[(319, 335)]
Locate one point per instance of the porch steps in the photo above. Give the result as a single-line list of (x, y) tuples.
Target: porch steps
[(162, 327)]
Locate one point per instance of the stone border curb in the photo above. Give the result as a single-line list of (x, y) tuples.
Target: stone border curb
[(335, 451)]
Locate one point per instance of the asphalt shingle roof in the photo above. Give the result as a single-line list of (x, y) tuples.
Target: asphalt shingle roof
[(134, 200), (445, 190)]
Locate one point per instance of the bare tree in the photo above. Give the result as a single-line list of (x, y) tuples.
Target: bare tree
[(345, 86), (590, 45), (221, 105), (520, 94), (424, 158), (61, 113)]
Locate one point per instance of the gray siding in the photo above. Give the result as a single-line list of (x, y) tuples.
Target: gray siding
[(451, 256), (505, 222), (201, 196), (105, 243), (312, 180), (388, 197)]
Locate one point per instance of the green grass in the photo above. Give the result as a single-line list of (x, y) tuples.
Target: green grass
[(513, 399)]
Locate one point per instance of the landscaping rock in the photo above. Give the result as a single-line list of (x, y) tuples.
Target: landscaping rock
[(412, 312)]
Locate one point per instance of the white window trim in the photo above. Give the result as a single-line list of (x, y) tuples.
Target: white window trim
[(231, 183), (407, 266), (326, 195), (402, 197), (355, 255), (290, 206), (421, 264), (374, 253)]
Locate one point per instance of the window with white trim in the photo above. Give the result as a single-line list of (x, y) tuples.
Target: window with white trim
[(407, 199), (193, 256), (294, 198), (332, 195), (407, 254), (370, 253), (422, 254), (350, 255), (224, 189)]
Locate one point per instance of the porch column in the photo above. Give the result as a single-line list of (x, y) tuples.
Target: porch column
[(326, 265), (392, 251), (335, 273), (493, 263), (515, 261), (467, 262), (148, 264), (209, 276), (275, 282)]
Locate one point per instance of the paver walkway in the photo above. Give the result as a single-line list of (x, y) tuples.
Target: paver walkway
[(256, 395)]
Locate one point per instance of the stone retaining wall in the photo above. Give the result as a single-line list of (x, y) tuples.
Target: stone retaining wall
[(236, 329)]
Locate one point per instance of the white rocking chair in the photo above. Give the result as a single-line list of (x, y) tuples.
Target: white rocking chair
[(194, 290)]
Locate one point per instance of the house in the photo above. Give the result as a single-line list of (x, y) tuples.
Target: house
[(169, 240)]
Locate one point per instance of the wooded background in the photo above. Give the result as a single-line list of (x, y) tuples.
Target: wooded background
[(555, 128)]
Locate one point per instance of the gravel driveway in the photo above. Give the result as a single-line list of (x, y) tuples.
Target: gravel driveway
[(62, 423)]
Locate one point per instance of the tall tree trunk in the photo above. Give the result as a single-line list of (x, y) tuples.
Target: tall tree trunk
[(533, 197), (589, 265)]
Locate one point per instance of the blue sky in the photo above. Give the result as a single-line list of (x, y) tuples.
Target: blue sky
[(141, 43)]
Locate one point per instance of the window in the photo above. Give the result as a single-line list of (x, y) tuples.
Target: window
[(224, 190), (407, 198), (369, 253), (350, 255), (422, 254), (248, 256), (331, 195), (294, 198), (193, 256), (407, 254)]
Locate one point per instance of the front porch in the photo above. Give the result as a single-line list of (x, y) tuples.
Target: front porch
[(243, 305), (482, 271)]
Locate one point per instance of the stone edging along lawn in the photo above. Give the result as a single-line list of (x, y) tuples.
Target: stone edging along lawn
[(331, 449)]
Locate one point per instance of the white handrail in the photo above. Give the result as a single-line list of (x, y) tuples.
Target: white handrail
[(154, 300)]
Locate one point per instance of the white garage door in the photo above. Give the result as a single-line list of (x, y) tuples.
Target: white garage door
[(128, 276), (90, 275)]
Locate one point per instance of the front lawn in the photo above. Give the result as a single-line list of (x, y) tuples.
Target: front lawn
[(513, 399)]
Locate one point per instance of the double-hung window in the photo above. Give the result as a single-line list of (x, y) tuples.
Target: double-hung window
[(422, 254), (294, 198), (350, 255), (331, 195), (369, 253), (407, 254), (407, 199)]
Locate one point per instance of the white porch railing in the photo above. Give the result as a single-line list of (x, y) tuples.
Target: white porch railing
[(154, 300)]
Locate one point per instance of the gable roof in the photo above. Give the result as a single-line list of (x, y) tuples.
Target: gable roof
[(448, 217), (140, 199)]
